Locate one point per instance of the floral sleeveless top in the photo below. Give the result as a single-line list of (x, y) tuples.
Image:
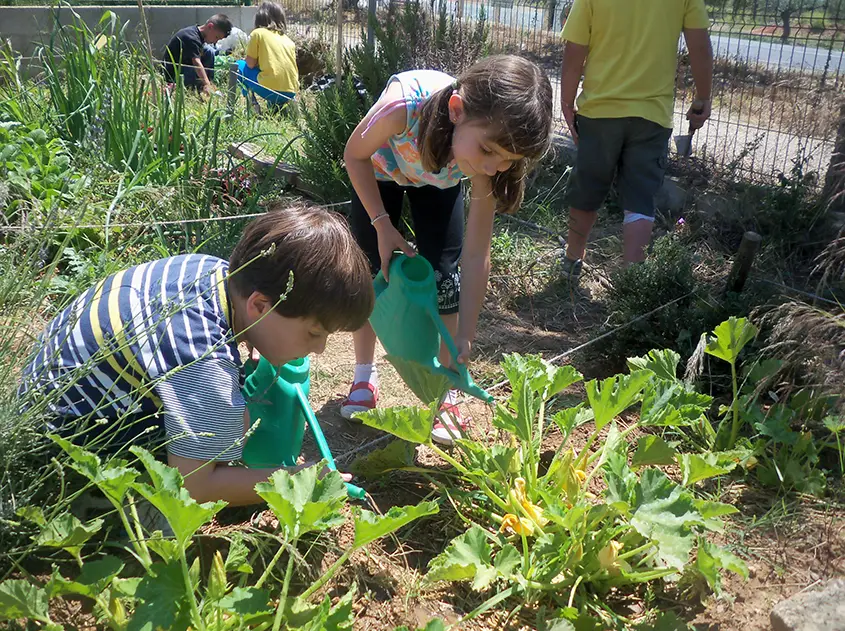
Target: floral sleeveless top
[(399, 159)]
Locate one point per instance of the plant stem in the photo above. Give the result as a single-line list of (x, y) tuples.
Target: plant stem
[(266, 574), (735, 408), (325, 578), (635, 551), (142, 548), (574, 587), (280, 609), (189, 590), (482, 485)]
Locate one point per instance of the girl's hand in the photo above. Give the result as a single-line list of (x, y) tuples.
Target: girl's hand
[(390, 240), (464, 349)]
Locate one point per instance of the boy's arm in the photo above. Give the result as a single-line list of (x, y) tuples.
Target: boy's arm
[(212, 481), (475, 262), (701, 63), (572, 68), (207, 87)]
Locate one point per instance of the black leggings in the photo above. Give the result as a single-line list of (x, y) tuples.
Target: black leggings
[(438, 222)]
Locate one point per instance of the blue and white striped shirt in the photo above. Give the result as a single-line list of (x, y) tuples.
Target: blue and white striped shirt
[(155, 337)]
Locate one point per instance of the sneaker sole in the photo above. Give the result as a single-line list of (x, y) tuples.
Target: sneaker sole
[(346, 411)]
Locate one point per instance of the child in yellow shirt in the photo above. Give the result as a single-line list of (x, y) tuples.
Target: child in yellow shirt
[(269, 69)]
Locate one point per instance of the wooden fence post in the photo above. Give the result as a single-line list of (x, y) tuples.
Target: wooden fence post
[(232, 90), (743, 261), (339, 58)]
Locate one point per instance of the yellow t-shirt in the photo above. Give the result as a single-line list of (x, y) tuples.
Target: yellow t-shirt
[(633, 54), (276, 55)]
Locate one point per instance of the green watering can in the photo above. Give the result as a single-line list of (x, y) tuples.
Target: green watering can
[(279, 397), (408, 324)]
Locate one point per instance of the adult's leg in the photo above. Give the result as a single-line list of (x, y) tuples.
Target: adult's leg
[(599, 147), (641, 171)]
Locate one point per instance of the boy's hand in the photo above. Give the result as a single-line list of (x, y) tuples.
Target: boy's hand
[(390, 240), (347, 477)]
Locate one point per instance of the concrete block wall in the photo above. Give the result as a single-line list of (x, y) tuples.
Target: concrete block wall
[(25, 27)]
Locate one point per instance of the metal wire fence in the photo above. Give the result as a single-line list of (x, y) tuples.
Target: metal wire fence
[(778, 82)]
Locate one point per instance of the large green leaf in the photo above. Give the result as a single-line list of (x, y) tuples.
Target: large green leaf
[(68, 533), (164, 477), (712, 558), (664, 512), (620, 480), (246, 601), (238, 556), (182, 512), (729, 338), (167, 494), (653, 450), (427, 385), (95, 577), (323, 617), (468, 556), (22, 599), (663, 363), (710, 509), (369, 526), (698, 467), (777, 425), (303, 502), (162, 600), (113, 478), (570, 418), (670, 404), (495, 462), (411, 424), (399, 454), (519, 424), (615, 394)]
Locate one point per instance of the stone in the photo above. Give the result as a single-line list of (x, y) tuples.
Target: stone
[(820, 610), (671, 197)]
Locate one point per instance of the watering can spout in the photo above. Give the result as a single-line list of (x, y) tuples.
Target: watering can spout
[(408, 324)]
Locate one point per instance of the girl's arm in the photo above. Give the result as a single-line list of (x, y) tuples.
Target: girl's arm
[(251, 62), (475, 262), (359, 150)]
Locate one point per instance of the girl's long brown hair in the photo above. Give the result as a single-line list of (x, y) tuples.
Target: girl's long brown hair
[(271, 15), (511, 94)]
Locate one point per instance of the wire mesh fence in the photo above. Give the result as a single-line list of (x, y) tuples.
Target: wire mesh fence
[(778, 84)]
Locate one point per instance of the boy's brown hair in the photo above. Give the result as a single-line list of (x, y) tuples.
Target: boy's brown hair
[(271, 15), (312, 248)]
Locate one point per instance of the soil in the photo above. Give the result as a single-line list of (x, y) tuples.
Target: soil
[(789, 544)]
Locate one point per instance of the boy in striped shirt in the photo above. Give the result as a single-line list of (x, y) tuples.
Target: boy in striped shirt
[(152, 351)]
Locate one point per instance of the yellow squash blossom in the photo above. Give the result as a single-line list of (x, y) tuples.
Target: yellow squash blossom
[(609, 558), (511, 524), (532, 510)]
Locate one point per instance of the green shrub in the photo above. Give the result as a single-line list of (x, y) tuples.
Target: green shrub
[(328, 118), (665, 276)]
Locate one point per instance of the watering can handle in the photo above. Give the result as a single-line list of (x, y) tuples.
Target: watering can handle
[(354, 491), (461, 376)]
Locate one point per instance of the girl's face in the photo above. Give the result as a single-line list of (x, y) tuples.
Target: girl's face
[(473, 149)]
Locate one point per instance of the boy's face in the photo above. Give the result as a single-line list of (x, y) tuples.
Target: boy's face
[(280, 339), (212, 34)]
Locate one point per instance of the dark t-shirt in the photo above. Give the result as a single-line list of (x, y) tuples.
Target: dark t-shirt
[(186, 45)]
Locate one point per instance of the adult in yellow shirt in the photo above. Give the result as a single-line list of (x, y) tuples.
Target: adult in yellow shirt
[(627, 51), (269, 69)]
